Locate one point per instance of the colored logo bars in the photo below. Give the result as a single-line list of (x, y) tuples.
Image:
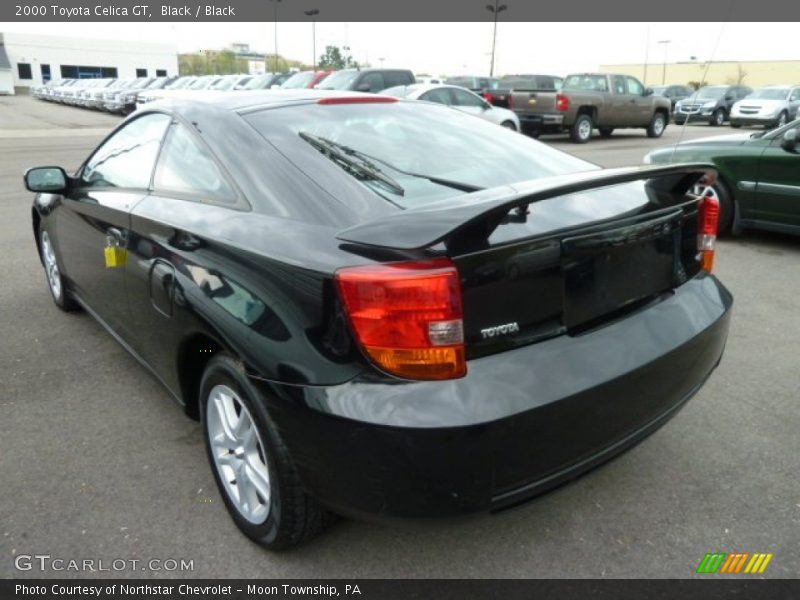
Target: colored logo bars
[(735, 562)]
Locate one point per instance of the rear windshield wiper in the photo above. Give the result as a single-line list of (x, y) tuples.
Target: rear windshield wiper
[(350, 160), (368, 159)]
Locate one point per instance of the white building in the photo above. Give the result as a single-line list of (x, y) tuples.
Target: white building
[(39, 58)]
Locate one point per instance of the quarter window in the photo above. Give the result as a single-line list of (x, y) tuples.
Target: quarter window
[(185, 166), (126, 159)]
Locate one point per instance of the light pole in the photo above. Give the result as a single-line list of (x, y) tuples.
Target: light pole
[(664, 70), (276, 2), (313, 13), (496, 10), (346, 56)]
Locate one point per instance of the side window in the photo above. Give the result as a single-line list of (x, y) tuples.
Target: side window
[(440, 95), (374, 81), (126, 159), (186, 167), (465, 98), (619, 85), (393, 78), (795, 95), (634, 87)]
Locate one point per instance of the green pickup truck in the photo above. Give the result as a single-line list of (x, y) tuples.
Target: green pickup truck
[(588, 101)]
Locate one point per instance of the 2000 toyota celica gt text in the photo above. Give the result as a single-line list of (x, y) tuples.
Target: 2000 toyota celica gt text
[(382, 308)]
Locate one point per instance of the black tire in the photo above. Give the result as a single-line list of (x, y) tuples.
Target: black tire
[(679, 122), (605, 132), (657, 125), (55, 282), (293, 515), (717, 118), (581, 130), (509, 125), (782, 119), (736, 125)]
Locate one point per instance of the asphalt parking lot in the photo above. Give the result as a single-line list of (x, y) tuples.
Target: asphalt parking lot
[(96, 461)]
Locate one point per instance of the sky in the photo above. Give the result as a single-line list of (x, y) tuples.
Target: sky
[(461, 48)]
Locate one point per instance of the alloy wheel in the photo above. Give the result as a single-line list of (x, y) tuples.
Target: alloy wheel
[(585, 130), (238, 452), (51, 266)]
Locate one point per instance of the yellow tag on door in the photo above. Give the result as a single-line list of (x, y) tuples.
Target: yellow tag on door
[(115, 256)]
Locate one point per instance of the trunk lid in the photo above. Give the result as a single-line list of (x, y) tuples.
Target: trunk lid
[(557, 255)]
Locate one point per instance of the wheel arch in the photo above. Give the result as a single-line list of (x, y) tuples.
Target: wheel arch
[(194, 353)]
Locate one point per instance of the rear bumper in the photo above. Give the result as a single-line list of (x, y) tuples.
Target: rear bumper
[(520, 423), (541, 121)]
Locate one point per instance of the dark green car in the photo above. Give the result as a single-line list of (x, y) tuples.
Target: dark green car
[(759, 176)]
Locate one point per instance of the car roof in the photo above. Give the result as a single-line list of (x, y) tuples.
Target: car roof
[(248, 100)]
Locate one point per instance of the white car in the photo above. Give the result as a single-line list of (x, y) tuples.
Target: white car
[(458, 98), (771, 106)]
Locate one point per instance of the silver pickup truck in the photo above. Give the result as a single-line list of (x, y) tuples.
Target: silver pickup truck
[(588, 101)]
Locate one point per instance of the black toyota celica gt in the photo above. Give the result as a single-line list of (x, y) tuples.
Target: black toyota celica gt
[(383, 308)]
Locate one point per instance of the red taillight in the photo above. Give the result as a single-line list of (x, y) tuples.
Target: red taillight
[(407, 316), (562, 102), (707, 225), (487, 96), (357, 100)]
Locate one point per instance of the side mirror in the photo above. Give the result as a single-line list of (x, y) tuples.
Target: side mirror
[(648, 92), (364, 87), (47, 180), (789, 141)]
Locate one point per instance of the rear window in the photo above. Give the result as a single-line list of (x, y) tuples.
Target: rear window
[(406, 137), (595, 83)]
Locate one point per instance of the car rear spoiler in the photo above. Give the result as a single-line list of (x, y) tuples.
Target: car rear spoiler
[(481, 212)]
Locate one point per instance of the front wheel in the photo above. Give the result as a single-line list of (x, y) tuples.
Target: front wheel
[(717, 118), (581, 130), (252, 467), (52, 270), (657, 125), (782, 119)]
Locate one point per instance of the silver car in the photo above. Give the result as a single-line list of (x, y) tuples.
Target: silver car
[(458, 98), (771, 106)]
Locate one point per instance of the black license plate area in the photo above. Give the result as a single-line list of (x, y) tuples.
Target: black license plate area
[(608, 270)]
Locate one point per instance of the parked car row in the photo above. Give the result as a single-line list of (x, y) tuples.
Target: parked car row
[(123, 95)]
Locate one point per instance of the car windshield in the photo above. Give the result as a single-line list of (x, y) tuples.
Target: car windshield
[(340, 80), (711, 93), (659, 90), (409, 142), (586, 82), (298, 80), (770, 94)]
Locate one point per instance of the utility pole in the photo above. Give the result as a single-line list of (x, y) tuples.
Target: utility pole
[(496, 10), (313, 13), (276, 2), (664, 70)]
